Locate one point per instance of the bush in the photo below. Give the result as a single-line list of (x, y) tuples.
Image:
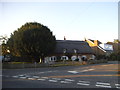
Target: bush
[(114, 56), (101, 57)]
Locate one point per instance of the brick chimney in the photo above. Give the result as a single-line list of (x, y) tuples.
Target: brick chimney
[(95, 42)]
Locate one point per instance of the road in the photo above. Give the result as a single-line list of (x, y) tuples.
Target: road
[(86, 76)]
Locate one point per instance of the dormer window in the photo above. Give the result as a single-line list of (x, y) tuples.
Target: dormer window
[(75, 51), (64, 50)]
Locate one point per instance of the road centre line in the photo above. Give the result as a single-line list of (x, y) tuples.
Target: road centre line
[(108, 70), (104, 65), (56, 78), (68, 76)]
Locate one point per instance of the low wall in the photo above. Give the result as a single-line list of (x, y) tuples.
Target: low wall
[(22, 65), (55, 64)]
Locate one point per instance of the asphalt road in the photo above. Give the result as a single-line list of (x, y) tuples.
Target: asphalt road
[(87, 76)]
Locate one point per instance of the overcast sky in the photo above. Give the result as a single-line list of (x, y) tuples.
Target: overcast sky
[(74, 20)]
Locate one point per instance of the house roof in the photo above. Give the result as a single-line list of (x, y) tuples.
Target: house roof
[(82, 47)]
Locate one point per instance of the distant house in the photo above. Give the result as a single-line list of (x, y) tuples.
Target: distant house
[(116, 46), (100, 48), (71, 50)]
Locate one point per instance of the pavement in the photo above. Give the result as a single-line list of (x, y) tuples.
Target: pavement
[(103, 75)]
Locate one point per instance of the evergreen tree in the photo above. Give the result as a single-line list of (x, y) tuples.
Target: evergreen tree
[(32, 40)]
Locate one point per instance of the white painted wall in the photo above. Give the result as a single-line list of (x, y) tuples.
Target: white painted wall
[(73, 57), (63, 58), (106, 46)]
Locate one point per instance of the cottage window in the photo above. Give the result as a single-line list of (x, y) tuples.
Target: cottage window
[(54, 58), (84, 58), (74, 58), (64, 58)]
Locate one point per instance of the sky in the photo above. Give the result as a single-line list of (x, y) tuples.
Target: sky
[(74, 20)]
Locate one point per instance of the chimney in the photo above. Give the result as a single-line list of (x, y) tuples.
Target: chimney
[(85, 39), (95, 42), (64, 38)]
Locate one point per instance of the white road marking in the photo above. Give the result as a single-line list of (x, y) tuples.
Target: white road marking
[(87, 70), (74, 72), (70, 80), (52, 80), (101, 84), (117, 86), (31, 78), (91, 69), (23, 77), (86, 84), (64, 82), (41, 79)]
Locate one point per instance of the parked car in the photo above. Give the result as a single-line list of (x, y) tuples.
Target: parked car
[(6, 58)]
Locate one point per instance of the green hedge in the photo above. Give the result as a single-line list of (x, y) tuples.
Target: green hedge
[(114, 57)]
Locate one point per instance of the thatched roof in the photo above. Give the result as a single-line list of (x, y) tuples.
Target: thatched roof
[(82, 47)]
